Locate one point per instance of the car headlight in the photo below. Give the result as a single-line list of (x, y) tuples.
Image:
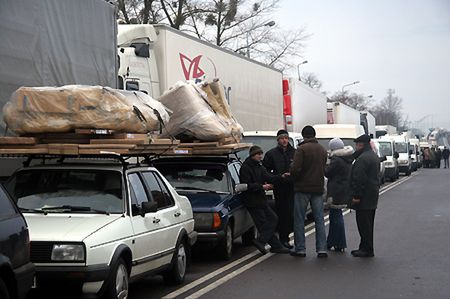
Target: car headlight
[(68, 252), (388, 164), (403, 161), (207, 220)]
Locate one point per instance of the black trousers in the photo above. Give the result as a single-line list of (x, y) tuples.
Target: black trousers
[(284, 207), (265, 221), (365, 221)]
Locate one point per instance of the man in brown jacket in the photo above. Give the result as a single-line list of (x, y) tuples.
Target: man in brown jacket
[(307, 171)]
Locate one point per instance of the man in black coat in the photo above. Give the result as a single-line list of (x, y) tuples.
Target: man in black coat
[(278, 161), (438, 156), (445, 156), (258, 181), (365, 188)]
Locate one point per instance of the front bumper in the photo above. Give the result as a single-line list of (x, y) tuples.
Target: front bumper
[(72, 274), (404, 168), (390, 172), (210, 237), (24, 276)]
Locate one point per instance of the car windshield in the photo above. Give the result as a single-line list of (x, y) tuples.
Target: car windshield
[(385, 148), (265, 142), (195, 176), (324, 142), (412, 148), (67, 190), (401, 147)]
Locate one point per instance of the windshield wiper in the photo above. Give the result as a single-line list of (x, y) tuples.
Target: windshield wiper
[(75, 209), (200, 189), (26, 210)]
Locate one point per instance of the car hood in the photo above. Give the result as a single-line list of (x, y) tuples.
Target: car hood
[(66, 227), (206, 202)]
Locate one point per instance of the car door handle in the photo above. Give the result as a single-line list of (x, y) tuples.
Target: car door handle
[(156, 220), (177, 214)]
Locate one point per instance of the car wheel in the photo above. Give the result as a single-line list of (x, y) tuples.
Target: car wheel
[(225, 247), (249, 236), (118, 285), (177, 271), (4, 294), (408, 172)]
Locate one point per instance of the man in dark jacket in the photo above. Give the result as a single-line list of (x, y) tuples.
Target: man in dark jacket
[(445, 156), (277, 161), (365, 188), (258, 181), (307, 172), (438, 156)]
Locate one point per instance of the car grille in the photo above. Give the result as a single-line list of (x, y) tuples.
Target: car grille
[(41, 252)]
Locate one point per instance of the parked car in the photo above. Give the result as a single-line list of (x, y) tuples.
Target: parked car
[(97, 225), (383, 159), (16, 269), (388, 149), (208, 182)]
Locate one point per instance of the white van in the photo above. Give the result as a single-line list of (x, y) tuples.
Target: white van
[(346, 132), (417, 152), (402, 148), (387, 149)]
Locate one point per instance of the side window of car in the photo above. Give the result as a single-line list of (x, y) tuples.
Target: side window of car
[(137, 190), (234, 175), (165, 190), (237, 166), (6, 207), (155, 189)]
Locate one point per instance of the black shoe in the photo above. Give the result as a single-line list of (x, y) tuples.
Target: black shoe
[(322, 255), (362, 253), (287, 245), (298, 254), (280, 250), (260, 246), (337, 249)]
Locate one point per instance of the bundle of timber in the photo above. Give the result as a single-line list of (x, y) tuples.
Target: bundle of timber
[(65, 109), (87, 142), (200, 112)]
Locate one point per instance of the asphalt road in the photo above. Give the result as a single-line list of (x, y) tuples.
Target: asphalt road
[(411, 247), (411, 243)]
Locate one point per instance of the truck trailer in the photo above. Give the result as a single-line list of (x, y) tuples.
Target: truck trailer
[(154, 57)]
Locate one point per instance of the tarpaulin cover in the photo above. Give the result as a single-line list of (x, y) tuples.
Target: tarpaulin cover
[(56, 43), (199, 112), (64, 109)]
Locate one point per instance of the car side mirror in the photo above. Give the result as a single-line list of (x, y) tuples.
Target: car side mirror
[(396, 155), (149, 207)]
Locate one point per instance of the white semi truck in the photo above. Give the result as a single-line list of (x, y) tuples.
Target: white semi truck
[(153, 58), (302, 105), (339, 113)]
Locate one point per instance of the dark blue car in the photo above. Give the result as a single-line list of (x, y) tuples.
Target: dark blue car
[(208, 182)]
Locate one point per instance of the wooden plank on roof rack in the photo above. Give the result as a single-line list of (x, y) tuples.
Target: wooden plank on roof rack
[(103, 151), (18, 140), (129, 136), (108, 146), (94, 131), (200, 144), (63, 149), (119, 141), (164, 141), (35, 149)]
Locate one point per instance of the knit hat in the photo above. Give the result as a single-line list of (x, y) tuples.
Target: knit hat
[(362, 139), (255, 150), (282, 133), (335, 144), (308, 132)]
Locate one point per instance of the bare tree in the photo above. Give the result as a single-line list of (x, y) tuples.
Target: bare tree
[(357, 101), (388, 112), (311, 80)]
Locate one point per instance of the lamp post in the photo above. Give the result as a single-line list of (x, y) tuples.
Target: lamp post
[(353, 83), (268, 24), (298, 69)]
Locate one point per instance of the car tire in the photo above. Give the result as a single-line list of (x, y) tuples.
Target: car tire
[(225, 247), (177, 272), (408, 172), (4, 294), (249, 236), (118, 285)]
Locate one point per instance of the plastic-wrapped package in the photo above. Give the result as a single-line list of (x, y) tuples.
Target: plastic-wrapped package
[(199, 112), (64, 109)]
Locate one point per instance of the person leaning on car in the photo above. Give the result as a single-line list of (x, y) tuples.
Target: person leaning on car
[(364, 184), (259, 180)]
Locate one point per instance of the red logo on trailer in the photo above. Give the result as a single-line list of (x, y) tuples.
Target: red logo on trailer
[(191, 67)]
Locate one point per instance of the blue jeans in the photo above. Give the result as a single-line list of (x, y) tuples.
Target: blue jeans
[(336, 232), (300, 205)]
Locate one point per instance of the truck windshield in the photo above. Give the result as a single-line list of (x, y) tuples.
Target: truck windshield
[(324, 142), (385, 148), (265, 142), (67, 190), (401, 147), (196, 176)]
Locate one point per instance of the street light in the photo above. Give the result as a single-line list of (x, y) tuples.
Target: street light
[(268, 24), (298, 68), (353, 83)]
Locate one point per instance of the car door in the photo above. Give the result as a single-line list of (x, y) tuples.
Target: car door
[(242, 219), (167, 219), (146, 243)]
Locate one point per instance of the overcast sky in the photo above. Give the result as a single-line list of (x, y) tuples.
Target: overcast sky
[(403, 45)]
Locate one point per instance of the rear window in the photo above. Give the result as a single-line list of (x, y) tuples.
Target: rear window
[(201, 177), (85, 190)]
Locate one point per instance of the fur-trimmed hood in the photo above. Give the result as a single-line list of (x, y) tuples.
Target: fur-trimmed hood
[(343, 152)]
